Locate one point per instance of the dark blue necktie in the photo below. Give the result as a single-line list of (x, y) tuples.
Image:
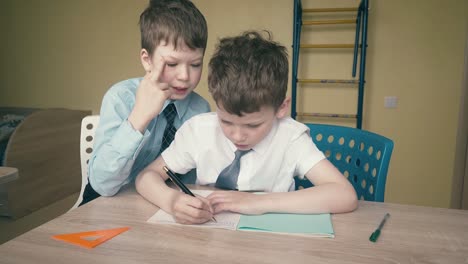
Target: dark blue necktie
[(227, 179), (170, 113)]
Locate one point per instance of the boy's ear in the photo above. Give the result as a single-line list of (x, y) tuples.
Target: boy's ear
[(284, 107), (146, 60)]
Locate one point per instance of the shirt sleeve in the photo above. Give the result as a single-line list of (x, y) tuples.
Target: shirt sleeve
[(117, 145), (304, 153)]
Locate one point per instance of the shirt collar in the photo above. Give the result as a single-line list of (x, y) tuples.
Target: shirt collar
[(180, 105)]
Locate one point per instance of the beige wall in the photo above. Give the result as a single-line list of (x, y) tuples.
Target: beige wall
[(418, 55), (57, 53), (67, 53), (227, 18)]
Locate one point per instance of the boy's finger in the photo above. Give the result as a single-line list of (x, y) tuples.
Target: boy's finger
[(221, 207), (201, 203), (207, 203), (197, 215), (216, 198), (185, 218), (158, 69)]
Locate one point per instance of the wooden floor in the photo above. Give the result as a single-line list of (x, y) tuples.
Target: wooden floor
[(10, 229)]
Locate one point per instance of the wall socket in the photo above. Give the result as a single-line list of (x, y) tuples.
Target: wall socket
[(391, 101)]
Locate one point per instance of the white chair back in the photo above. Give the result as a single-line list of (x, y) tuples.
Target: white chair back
[(88, 129)]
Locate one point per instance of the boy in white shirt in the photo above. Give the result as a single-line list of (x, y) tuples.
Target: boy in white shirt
[(248, 77)]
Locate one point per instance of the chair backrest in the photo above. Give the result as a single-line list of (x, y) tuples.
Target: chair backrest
[(88, 128), (362, 156)]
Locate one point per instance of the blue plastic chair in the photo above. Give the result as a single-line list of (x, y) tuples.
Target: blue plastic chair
[(362, 156)]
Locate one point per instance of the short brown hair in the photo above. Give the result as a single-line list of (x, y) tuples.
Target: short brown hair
[(172, 21), (247, 72)]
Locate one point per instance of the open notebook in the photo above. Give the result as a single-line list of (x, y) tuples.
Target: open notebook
[(318, 225)]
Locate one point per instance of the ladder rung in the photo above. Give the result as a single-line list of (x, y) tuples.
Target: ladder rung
[(327, 81), (327, 115), (329, 22), (324, 10), (327, 46)]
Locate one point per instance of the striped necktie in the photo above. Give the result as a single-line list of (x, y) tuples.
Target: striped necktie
[(170, 113)]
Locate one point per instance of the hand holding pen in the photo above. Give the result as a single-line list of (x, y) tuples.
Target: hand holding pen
[(180, 184)]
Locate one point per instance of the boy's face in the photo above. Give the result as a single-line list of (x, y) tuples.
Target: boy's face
[(248, 130), (182, 70)]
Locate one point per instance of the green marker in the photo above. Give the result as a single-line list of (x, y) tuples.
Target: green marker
[(374, 236)]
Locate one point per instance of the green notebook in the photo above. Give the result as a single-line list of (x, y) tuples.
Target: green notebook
[(318, 225)]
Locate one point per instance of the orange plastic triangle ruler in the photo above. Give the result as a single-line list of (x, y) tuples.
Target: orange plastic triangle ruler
[(101, 237)]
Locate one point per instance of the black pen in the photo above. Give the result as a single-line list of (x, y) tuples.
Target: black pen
[(180, 184)]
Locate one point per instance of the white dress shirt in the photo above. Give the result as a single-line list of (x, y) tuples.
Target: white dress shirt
[(287, 151)]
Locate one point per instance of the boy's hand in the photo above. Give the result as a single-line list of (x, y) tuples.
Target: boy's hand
[(150, 96), (233, 201), (187, 209)]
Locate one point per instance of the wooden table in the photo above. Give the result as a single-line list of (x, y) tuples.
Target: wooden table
[(412, 234)]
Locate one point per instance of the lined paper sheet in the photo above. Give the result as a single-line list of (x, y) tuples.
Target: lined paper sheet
[(225, 220)]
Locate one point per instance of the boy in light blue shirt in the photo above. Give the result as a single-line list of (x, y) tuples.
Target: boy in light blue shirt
[(139, 116)]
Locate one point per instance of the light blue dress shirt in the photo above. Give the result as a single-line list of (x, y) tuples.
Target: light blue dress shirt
[(121, 152)]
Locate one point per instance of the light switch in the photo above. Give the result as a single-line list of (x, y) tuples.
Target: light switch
[(391, 101)]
